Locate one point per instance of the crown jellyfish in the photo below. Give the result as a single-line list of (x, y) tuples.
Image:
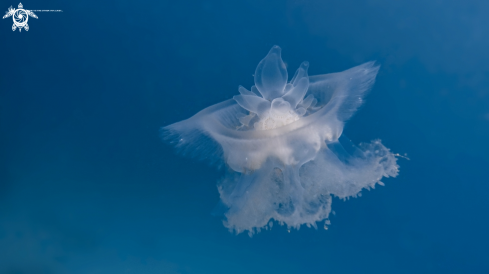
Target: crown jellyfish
[(281, 143)]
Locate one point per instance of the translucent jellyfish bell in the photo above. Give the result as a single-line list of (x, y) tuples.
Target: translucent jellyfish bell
[(281, 142)]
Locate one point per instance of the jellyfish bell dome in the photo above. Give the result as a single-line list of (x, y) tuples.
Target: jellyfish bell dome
[(279, 121)]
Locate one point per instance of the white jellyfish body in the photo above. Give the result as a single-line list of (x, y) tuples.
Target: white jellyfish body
[(281, 142)]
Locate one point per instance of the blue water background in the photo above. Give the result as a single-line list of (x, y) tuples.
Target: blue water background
[(87, 186)]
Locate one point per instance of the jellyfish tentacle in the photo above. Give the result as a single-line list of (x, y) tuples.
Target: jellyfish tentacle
[(300, 84), (300, 73), (244, 91), (254, 104), (271, 75), (292, 179), (307, 102), (280, 108)]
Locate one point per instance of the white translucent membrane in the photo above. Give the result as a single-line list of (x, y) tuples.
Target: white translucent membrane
[(289, 170)]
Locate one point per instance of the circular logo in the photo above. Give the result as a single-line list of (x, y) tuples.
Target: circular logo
[(20, 18)]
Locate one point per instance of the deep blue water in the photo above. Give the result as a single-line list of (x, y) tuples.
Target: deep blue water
[(87, 186)]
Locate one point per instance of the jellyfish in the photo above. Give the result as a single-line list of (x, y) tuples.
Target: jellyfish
[(282, 146)]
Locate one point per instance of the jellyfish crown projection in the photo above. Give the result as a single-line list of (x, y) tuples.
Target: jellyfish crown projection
[(282, 145)]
